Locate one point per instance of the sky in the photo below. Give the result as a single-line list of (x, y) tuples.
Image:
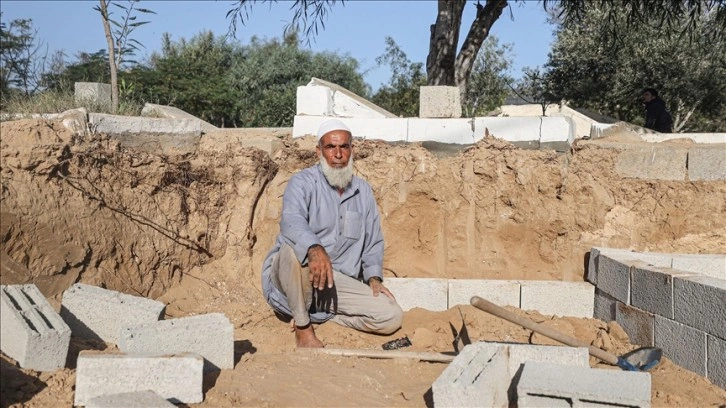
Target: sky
[(357, 27)]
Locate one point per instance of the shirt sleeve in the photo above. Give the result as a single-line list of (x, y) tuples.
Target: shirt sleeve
[(372, 259), (294, 222)]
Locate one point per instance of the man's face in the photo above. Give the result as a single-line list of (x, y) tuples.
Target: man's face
[(647, 97), (336, 147)]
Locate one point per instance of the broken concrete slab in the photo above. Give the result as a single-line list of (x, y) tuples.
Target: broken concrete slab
[(175, 378), (155, 135), (209, 335), (100, 314), (170, 112), (653, 162), (323, 98), (136, 399), (31, 332), (583, 386)]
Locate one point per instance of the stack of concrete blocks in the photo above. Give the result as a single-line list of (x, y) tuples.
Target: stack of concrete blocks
[(31, 332), (676, 302), (557, 385), (488, 374), (439, 102), (175, 378), (543, 296), (163, 356), (321, 100), (93, 92)]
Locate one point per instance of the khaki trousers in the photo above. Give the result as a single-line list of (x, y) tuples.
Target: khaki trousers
[(351, 300)]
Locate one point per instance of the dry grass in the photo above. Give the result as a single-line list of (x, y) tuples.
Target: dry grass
[(57, 102)]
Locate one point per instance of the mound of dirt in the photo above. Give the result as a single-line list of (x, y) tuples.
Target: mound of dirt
[(192, 231)]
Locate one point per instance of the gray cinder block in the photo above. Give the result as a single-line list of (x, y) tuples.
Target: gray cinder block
[(583, 385), (175, 378), (97, 313), (684, 345), (652, 289), (546, 298), (605, 304), (707, 163), (31, 332), (637, 323), (93, 92), (137, 399), (477, 377), (652, 162), (500, 292), (716, 353), (613, 277), (209, 335), (700, 302), (425, 293), (492, 382)]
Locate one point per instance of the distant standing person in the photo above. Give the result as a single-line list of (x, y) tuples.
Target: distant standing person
[(657, 116)]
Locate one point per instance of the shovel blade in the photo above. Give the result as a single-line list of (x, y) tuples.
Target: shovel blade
[(642, 359)]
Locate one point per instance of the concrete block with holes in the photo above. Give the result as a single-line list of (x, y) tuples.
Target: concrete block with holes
[(209, 335), (31, 332), (100, 314)]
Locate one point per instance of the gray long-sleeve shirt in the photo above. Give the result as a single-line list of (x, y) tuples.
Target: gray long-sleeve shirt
[(347, 226)]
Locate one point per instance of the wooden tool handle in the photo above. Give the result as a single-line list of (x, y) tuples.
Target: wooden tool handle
[(505, 314), (384, 354)]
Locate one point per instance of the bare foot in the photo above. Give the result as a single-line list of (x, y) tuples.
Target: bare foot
[(305, 337)]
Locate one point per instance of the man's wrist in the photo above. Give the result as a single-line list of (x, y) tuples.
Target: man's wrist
[(377, 278)]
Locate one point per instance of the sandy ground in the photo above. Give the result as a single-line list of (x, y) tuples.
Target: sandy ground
[(192, 231)]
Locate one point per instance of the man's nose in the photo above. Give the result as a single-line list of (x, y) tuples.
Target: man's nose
[(338, 152)]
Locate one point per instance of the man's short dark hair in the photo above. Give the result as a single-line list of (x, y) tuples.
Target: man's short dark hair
[(652, 91)]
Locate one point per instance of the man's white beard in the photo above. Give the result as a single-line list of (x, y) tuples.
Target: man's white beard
[(338, 178)]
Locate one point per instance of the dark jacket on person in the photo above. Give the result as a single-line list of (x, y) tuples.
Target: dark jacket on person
[(657, 116)]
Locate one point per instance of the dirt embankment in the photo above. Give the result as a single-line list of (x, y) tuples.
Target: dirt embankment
[(192, 231)]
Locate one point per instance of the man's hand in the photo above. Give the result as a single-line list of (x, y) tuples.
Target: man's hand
[(377, 287), (321, 270)]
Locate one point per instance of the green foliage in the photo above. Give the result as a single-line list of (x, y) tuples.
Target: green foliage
[(91, 67), (21, 60), (591, 68), (265, 80), (125, 46), (401, 95), (489, 82), (192, 76)]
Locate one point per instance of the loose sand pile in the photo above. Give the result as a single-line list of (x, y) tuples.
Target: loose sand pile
[(193, 231)]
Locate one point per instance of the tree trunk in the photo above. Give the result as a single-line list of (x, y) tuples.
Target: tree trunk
[(479, 31), (444, 42), (111, 54)]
